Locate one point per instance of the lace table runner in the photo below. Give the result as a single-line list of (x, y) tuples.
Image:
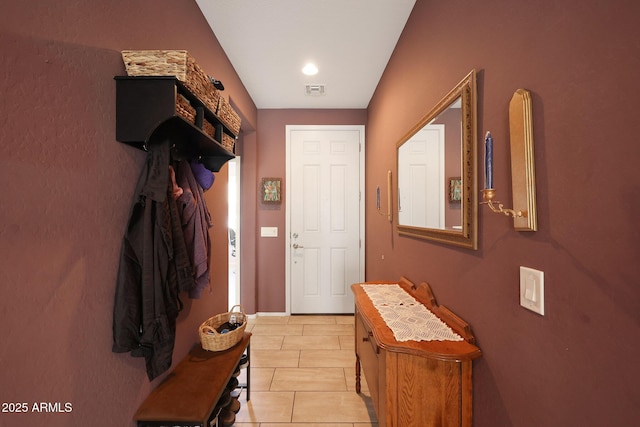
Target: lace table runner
[(407, 318)]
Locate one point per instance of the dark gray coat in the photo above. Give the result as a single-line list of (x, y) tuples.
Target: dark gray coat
[(154, 268)]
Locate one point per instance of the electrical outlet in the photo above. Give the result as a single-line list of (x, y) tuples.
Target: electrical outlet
[(532, 289)]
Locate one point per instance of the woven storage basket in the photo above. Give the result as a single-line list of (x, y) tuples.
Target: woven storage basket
[(185, 110), (228, 115), (213, 340), (208, 129), (228, 142), (177, 63)]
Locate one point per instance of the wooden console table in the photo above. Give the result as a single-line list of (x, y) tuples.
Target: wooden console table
[(414, 383), (189, 394)]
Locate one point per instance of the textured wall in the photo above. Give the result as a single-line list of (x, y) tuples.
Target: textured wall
[(67, 191), (576, 365)]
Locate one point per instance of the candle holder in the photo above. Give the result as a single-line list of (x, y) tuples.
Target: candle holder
[(523, 179), (488, 194)]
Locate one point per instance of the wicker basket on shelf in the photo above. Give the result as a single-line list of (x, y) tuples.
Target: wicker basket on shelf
[(208, 129), (214, 340), (228, 142), (184, 109), (227, 114), (178, 63)]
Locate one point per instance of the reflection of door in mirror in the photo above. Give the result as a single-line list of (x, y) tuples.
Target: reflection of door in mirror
[(420, 171)]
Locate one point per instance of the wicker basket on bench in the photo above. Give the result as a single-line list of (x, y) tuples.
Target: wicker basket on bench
[(213, 340)]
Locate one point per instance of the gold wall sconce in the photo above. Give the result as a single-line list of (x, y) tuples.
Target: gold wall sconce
[(523, 178)]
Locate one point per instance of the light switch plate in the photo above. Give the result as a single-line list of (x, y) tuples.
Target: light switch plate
[(268, 231), (532, 289)]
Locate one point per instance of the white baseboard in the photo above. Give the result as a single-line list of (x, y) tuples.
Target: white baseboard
[(268, 313)]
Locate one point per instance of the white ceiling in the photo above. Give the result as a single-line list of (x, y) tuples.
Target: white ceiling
[(269, 41)]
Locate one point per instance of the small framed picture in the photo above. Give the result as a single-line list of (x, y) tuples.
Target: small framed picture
[(271, 190), (455, 189)]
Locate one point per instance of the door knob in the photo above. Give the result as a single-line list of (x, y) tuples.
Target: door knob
[(297, 246)]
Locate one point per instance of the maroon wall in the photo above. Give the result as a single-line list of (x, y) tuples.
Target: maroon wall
[(576, 366), (270, 281), (68, 187)]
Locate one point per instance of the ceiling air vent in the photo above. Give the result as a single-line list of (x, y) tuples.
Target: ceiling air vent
[(314, 90)]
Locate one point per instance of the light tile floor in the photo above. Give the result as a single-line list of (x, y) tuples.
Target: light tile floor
[(303, 374)]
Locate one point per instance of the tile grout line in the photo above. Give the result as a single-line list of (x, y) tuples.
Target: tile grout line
[(293, 405)]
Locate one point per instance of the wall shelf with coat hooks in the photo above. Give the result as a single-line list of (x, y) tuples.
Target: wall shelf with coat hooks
[(152, 108)]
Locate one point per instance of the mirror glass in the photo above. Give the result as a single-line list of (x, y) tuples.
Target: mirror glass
[(436, 171)]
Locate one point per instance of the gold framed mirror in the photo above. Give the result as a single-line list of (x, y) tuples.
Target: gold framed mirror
[(436, 159)]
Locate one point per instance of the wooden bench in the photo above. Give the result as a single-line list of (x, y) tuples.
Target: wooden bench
[(189, 394)]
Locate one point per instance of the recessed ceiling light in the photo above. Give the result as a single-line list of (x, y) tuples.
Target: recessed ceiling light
[(310, 69)]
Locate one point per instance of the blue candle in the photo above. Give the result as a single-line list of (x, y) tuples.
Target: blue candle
[(488, 161)]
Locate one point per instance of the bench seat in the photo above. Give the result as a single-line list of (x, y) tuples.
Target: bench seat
[(189, 394)]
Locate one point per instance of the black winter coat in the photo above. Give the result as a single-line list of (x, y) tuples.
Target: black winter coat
[(154, 268)]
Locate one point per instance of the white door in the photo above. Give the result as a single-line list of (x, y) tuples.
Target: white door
[(325, 217), (421, 200)]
